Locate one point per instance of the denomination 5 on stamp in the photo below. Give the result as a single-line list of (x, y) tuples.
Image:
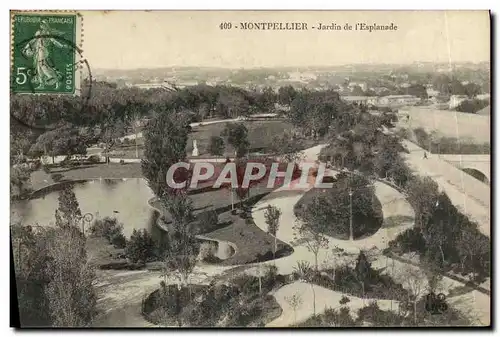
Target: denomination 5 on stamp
[(45, 54)]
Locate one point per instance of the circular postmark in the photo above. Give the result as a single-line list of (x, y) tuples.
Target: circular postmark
[(37, 116)]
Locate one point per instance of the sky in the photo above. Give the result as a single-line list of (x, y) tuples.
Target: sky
[(139, 39)]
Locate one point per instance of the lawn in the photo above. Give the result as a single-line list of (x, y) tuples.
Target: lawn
[(363, 225)]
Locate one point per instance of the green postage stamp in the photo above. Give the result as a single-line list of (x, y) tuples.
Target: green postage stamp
[(45, 52)]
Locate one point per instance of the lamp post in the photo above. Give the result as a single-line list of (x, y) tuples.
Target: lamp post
[(87, 217), (351, 236)]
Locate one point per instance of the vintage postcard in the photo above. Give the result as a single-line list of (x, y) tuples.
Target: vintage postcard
[(250, 168)]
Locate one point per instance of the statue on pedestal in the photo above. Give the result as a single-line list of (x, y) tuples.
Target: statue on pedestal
[(195, 149)]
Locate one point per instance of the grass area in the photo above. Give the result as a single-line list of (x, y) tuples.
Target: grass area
[(448, 145), (363, 226), (260, 135), (253, 244), (101, 252)]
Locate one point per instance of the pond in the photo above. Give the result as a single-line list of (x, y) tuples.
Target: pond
[(124, 199)]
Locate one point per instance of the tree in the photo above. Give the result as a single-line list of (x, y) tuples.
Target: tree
[(295, 302), (286, 95), (108, 228), (287, 146), (272, 216), (30, 257), (472, 89), (19, 180), (183, 248), (165, 140), (216, 146), (414, 280), (237, 137), (71, 293), (53, 277), (68, 212), (417, 90), (434, 275), (140, 247), (422, 196), (363, 271), (65, 140), (314, 223)]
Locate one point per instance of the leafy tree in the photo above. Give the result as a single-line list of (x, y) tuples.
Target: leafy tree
[(314, 223), (363, 271), (30, 259), (314, 112), (108, 228), (165, 139), (71, 293), (286, 94), (472, 89), (68, 212), (54, 279), (272, 216), (19, 180), (287, 146), (62, 141), (295, 302), (237, 137), (266, 99), (216, 146), (417, 90), (140, 247), (414, 280), (183, 247), (422, 195)]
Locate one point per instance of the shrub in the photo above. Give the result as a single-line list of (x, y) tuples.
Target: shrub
[(411, 240), (107, 228), (207, 252), (122, 162), (344, 300), (140, 247), (126, 141), (118, 240), (56, 177), (94, 159), (216, 146)]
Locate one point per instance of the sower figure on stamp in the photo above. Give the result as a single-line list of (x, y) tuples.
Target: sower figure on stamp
[(38, 48)]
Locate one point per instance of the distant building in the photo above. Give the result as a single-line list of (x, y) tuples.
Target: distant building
[(432, 94), (483, 96), (364, 100), (398, 100), (302, 77), (455, 100)]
